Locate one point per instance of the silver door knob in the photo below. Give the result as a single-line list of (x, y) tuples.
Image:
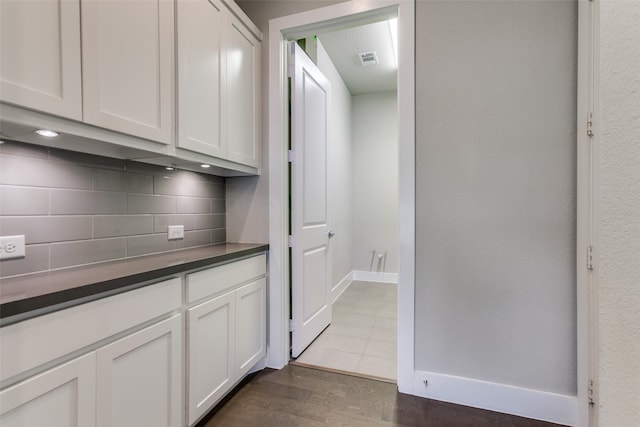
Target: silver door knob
[(331, 233)]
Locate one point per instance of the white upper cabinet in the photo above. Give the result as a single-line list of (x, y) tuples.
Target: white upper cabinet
[(243, 95), (200, 64), (40, 56), (177, 78), (218, 82), (127, 65)]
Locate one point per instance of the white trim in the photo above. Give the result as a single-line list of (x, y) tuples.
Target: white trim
[(523, 402), (341, 14), (586, 312), (342, 286), (406, 194), (375, 276)]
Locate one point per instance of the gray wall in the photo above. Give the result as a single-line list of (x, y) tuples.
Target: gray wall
[(495, 191), (375, 180), (618, 207), (339, 174), (76, 208)]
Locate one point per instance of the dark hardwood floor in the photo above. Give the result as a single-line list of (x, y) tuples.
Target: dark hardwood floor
[(298, 396)]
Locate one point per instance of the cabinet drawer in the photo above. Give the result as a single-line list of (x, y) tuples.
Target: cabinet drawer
[(34, 342), (219, 279)]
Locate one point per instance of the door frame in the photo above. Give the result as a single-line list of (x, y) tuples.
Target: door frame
[(281, 30)]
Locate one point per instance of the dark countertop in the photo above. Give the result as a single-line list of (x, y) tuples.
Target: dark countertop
[(43, 292)]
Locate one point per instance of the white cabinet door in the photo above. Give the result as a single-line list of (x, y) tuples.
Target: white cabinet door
[(200, 64), (60, 397), (243, 94), (127, 65), (210, 347), (139, 378), (40, 56), (251, 325)]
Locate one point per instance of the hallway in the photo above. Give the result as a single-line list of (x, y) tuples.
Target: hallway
[(362, 336)]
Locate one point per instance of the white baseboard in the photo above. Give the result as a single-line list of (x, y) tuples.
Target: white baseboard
[(539, 405), (374, 276), (338, 289)]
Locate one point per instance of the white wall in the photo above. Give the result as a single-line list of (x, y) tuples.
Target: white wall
[(339, 169), (375, 180), (618, 227), (495, 192)]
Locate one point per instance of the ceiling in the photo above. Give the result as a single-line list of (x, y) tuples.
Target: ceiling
[(344, 47)]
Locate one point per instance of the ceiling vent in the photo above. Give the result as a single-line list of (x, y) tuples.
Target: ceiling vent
[(368, 58)]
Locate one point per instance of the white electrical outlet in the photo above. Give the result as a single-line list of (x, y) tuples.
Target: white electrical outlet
[(11, 247), (176, 232)]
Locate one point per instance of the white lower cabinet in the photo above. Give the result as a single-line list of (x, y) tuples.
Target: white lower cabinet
[(119, 360), (251, 330), (211, 358), (226, 334), (63, 396), (140, 378), (135, 381)]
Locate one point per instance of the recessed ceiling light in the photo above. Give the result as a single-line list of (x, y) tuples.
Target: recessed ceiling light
[(170, 168), (46, 132), (205, 166)]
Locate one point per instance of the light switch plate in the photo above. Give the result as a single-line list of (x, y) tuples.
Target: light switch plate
[(12, 247), (176, 232)]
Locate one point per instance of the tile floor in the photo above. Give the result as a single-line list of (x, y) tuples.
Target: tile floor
[(362, 336)]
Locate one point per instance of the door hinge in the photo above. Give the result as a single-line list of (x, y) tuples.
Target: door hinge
[(590, 125), (589, 257), (291, 71), (591, 392), (290, 156), (290, 325), (290, 241)]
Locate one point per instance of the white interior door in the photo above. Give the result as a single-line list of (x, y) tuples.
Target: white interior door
[(311, 305)]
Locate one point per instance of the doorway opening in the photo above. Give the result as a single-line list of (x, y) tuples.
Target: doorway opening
[(302, 25), (359, 172)]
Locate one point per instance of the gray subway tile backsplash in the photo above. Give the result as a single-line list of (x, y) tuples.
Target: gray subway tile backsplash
[(67, 254), (27, 171), (23, 201), (218, 206), (209, 221), (81, 202), (36, 259), (219, 235), (151, 244), (126, 182), (187, 187), (121, 225), (194, 204), (150, 203), (195, 238), (47, 229), (163, 221), (75, 208)]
